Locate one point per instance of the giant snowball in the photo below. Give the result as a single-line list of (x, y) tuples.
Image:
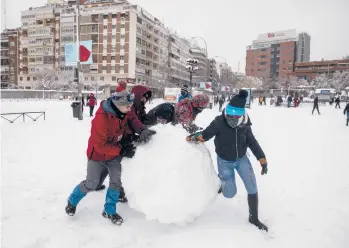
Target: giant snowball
[(170, 179)]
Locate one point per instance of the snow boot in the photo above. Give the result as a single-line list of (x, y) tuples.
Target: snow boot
[(109, 212), (122, 196), (70, 209), (114, 218), (73, 200), (253, 209)]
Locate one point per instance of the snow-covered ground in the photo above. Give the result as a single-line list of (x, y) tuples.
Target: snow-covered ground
[(304, 199)]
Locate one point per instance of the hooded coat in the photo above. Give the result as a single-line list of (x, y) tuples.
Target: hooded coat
[(137, 115), (107, 129)]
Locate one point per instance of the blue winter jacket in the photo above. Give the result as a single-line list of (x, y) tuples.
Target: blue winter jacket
[(181, 97)]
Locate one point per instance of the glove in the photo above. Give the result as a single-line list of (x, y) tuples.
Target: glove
[(128, 151), (146, 134), (264, 165), (192, 128), (195, 137)]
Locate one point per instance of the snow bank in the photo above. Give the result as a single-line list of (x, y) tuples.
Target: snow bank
[(170, 179)]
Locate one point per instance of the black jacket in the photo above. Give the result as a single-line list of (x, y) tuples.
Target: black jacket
[(163, 110), (346, 110), (232, 143), (316, 102)]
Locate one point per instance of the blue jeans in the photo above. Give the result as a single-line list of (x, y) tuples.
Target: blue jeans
[(244, 168)]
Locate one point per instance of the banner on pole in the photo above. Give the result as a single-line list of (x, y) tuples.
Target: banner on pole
[(70, 53)]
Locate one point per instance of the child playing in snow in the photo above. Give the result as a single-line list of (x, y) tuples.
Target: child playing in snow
[(233, 135), (105, 151)]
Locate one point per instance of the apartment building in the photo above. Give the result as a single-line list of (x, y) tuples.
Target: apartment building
[(178, 50), (9, 57), (272, 55), (213, 73), (127, 43), (310, 70), (39, 43), (201, 75)]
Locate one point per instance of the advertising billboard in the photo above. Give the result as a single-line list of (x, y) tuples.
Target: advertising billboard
[(290, 34)]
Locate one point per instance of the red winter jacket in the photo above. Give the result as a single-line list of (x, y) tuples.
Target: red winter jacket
[(137, 114), (92, 100), (106, 131)]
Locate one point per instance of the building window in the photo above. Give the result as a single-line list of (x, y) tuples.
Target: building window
[(21, 79), (101, 78), (113, 37), (104, 68), (105, 37), (112, 57), (122, 26), (122, 36), (121, 57), (113, 26), (113, 78), (105, 26), (139, 20), (121, 47), (28, 78), (104, 57), (121, 68)]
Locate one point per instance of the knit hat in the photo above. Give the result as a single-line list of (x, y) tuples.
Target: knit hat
[(236, 106), (185, 88), (122, 97)]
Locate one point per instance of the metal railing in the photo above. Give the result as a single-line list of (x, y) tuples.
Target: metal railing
[(23, 114)]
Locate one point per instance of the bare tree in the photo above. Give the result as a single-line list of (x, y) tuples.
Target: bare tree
[(249, 82)]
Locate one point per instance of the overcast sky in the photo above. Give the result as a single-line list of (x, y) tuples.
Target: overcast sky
[(230, 25)]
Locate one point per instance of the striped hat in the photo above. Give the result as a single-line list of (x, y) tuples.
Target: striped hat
[(122, 96)]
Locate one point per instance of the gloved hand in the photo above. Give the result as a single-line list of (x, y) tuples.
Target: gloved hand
[(192, 128), (146, 134), (195, 137), (264, 165), (128, 151)]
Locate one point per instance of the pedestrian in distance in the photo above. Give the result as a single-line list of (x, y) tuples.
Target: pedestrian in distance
[(316, 105), (92, 102), (346, 111), (105, 151), (220, 102), (338, 101), (233, 135), (185, 93)]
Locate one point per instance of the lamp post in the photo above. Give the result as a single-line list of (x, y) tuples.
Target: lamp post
[(191, 68), (198, 37), (77, 69)]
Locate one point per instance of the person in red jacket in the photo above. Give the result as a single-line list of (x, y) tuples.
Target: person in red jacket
[(105, 150), (187, 110), (92, 102), (136, 117)]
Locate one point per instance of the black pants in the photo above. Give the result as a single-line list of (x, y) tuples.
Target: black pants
[(317, 108), (91, 110), (220, 107), (337, 104)]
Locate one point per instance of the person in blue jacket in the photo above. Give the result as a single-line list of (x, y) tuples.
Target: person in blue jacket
[(184, 93)]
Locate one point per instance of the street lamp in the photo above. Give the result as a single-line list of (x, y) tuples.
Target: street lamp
[(192, 67)]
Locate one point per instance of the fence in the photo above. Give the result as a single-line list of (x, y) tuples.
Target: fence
[(24, 114)]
